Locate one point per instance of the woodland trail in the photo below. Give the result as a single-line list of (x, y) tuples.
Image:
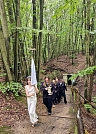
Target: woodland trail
[(60, 122)]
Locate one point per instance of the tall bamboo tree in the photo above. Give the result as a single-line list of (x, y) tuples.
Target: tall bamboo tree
[(5, 41), (40, 36), (16, 46)]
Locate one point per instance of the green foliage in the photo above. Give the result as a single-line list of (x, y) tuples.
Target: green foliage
[(94, 99), (82, 73), (55, 74), (39, 84), (5, 130), (42, 71), (76, 130), (60, 17), (94, 1), (67, 5), (14, 87), (89, 108), (2, 74)]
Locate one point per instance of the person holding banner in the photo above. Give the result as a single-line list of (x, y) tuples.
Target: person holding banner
[(47, 94), (31, 91)]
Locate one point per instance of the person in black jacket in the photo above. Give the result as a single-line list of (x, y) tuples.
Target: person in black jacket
[(62, 87), (54, 92), (47, 97)]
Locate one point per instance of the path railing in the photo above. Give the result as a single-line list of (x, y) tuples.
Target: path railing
[(76, 97), (77, 109)]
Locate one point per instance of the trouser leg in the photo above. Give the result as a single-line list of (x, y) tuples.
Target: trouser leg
[(45, 102), (58, 97), (53, 98), (64, 95), (49, 104), (65, 101)]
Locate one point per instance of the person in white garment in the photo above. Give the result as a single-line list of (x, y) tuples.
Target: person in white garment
[(31, 91)]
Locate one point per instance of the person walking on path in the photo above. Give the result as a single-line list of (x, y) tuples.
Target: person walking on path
[(47, 95), (62, 87), (57, 88), (31, 91), (54, 92)]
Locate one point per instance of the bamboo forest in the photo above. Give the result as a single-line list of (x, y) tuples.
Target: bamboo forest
[(47, 66)]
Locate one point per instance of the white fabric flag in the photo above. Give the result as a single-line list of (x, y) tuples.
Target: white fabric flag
[(33, 73)]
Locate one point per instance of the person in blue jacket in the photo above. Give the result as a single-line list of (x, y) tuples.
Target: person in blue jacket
[(47, 97), (62, 88)]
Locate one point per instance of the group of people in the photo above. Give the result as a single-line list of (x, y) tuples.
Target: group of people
[(58, 88), (52, 91)]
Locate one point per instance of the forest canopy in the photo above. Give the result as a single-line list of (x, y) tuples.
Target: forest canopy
[(45, 29)]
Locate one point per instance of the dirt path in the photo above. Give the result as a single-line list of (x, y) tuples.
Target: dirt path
[(60, 122)]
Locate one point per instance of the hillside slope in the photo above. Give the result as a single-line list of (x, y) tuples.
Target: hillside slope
[(64, 65), (13, 111)]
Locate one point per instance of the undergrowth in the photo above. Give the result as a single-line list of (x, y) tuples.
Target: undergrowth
[(14, 87), (5, 130)]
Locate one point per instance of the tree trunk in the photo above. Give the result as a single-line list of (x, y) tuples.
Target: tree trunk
[(10, 11), (91, 87), (34, 36), (5, 27), (94, 56), (88, 34), (4, 56), (16, 46), (40, 36), (86, 78), (6, 39), (88, 42)]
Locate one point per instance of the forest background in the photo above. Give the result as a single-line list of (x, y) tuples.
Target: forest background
[(44, 30)]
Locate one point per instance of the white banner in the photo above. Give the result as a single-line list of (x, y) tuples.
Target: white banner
[(33, 73)]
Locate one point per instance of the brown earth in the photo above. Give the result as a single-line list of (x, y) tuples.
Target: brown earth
[(60, 122), (14, 113)]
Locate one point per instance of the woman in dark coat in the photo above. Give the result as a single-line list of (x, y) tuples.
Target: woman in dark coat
[(47, 97)]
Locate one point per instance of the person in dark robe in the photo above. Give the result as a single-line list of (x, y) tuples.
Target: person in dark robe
[(47, 97), (54, 92), (62, 88)]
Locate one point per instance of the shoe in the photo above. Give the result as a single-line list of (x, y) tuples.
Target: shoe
[(49, 113), (32, 125), (53, 106)]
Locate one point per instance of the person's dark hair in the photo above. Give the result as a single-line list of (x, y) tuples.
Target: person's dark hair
[(54, 78), (60, 77), (46, 77), (45, 81)]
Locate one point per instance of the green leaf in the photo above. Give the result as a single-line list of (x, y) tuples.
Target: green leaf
[(82, 73), (93, 1), (87, 106)]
